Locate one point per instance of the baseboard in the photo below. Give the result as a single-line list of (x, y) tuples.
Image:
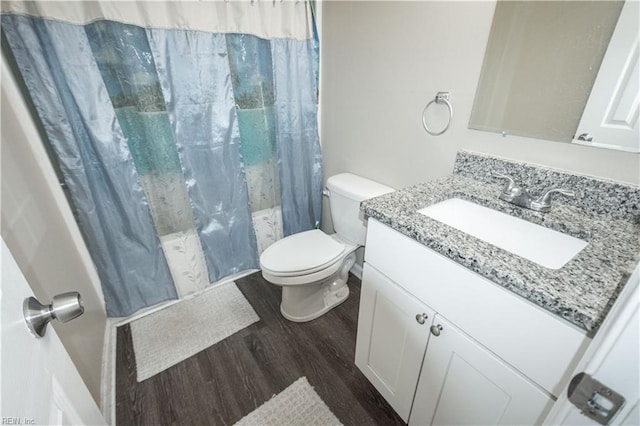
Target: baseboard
[(108, 382), (357, 270)]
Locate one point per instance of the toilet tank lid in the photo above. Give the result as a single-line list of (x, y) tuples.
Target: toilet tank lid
[(356, 187)]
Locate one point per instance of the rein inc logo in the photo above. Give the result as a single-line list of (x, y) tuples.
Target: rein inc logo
[(17, 421)]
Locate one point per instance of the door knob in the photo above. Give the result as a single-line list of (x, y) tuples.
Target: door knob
[(436, 329), (64, 307), (586, 137), (421, 318)]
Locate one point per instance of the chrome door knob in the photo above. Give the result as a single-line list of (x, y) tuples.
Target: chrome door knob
[(421, 318), (64, 307), (586, 137), (436, 329)]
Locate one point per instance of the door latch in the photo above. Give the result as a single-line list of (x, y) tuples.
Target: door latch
[(595, 400)]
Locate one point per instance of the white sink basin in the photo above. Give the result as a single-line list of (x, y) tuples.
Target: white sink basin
[(544, 246)]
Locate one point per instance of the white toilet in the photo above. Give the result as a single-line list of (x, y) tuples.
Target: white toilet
[(312, 267)]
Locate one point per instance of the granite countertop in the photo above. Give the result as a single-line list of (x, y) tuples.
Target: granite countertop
[(581, 292)]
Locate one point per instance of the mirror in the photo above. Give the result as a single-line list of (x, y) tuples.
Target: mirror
[(541, 61)]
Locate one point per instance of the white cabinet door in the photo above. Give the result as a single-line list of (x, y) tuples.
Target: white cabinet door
[(462, 383), (391, 338)]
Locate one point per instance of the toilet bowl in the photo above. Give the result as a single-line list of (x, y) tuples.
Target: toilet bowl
[(313, 267)]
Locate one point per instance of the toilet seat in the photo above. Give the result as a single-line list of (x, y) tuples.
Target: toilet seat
[(304, 253)]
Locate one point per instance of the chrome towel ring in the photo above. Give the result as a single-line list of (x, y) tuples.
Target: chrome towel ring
[(441, 98)]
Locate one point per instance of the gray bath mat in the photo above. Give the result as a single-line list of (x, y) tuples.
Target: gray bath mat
[(166, 337), (298, 404)]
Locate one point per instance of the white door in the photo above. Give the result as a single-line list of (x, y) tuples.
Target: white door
[(613, 358), (40, 384), (462, 383), (610, 117), (393, 329)]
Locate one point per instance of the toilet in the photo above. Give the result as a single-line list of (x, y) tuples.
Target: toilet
[(312, 267)]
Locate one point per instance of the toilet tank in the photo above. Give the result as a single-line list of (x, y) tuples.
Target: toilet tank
[(346, 191)]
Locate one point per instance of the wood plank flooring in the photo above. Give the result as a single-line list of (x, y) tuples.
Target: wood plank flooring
[(225, 382)]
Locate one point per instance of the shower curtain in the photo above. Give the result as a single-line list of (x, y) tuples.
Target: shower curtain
[(186, 132)]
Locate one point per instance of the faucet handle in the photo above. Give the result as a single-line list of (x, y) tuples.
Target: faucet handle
[(504, 176), (543, 202), (510, 182)]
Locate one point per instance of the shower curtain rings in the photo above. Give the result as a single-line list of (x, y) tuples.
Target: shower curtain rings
[(441, 98)]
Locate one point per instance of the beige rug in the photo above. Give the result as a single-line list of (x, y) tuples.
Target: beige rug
[(297, 405), (169, 336)]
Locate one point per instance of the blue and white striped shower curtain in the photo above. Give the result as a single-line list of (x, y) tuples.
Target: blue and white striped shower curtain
[(186, 152)]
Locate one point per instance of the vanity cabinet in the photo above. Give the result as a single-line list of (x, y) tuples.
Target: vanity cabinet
[(462, 383), (392, 337), (492, 357)]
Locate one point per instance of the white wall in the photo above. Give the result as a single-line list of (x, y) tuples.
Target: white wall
[(381, 62), (39, 229)]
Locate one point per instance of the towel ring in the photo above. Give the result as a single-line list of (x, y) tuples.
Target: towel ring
[(441, 98)]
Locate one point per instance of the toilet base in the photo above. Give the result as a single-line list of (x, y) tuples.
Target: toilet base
[(335, 301), (302, 303)]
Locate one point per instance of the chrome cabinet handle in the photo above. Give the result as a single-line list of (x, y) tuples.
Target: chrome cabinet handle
[(436, 329), (421, 318)]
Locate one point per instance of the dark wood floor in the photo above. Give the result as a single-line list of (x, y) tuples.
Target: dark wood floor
[(223, 383)]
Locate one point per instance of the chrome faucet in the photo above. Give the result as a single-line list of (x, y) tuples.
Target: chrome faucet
[(515, 194)]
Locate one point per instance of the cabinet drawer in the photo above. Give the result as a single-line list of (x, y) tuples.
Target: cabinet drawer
[(540, 345)]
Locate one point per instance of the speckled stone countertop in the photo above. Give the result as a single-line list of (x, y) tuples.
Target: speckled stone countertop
[(581, 292)]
